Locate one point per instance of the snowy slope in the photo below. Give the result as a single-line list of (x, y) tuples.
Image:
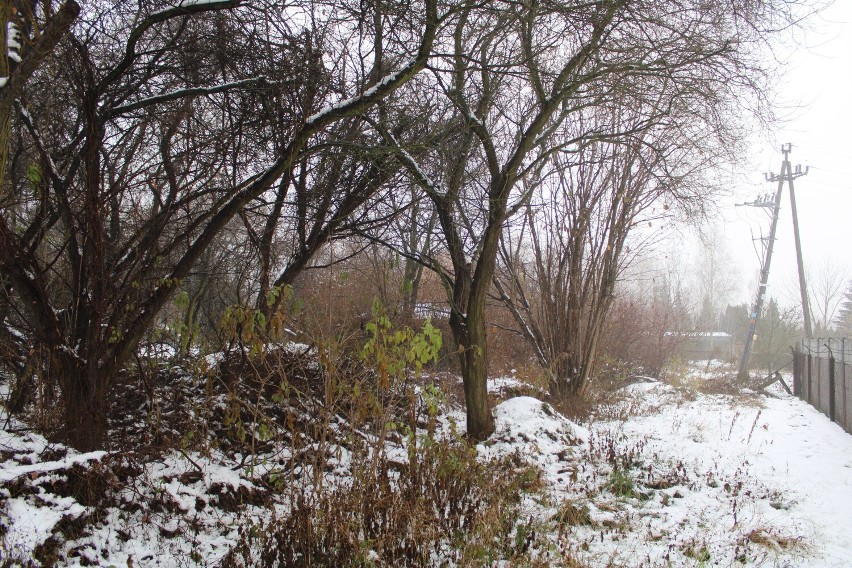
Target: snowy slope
[(721, 480), (662, 476)]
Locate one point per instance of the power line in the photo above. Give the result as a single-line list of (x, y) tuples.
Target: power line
[(834, 185), (822, 169), (826, 152)]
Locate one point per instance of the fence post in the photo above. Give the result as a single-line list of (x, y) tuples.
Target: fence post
[(820, 379), (809, 375), (847, 424), (797, 371), (831, 396)]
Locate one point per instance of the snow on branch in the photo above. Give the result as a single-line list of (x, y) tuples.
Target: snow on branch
[(369, 93), (193, 6), (190, 92), (55, 29), (185, 8), (13, 43), (407, 160), (389, 82)]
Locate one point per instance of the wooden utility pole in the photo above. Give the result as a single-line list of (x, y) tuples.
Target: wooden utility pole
[(803, 286), (775, 204), (787, 174)]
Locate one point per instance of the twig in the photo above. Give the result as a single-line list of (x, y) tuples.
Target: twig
[(192, 461)]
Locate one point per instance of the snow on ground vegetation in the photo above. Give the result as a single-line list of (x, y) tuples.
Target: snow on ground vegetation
[(692, 472), (671, 476)]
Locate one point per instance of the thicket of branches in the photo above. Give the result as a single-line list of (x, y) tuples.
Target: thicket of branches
[(167, 160)]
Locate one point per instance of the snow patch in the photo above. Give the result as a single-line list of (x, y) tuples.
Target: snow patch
[(28, 527), (534, 429)]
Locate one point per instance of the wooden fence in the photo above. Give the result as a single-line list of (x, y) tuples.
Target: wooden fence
[(822, 376)]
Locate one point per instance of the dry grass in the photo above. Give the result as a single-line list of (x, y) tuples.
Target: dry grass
[(444, 498), (570, 514), (770, 538)]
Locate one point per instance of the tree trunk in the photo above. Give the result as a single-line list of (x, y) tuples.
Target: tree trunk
[(411, 275), (569, 376), (85, 408), (563, 383), (469, 332), (189, 333), (470, 339)]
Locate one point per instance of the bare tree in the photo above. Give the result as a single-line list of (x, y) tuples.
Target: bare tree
[(647, 323), (28, 42), (146, 144), (513, 74), (559, 273), (826, 287), (323, 199), (713, 279)]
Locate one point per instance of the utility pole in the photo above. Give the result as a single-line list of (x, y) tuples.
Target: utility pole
[(803, 286), (775, 204), (787, 174)]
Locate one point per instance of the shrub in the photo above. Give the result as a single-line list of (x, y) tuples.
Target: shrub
[(400, 515)]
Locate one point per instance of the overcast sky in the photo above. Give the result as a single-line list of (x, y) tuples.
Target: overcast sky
[(817, 93)]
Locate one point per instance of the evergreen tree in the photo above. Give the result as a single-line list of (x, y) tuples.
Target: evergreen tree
[(776, 333), (844, 316)]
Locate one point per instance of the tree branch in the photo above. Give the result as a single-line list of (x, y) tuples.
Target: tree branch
[(190, 92), (32, 59)]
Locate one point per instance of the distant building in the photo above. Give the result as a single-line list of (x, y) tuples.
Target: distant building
[(702, 345), (433, 310)]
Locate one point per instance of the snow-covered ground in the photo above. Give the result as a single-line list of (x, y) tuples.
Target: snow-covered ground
[(701, 479), (662, 475)]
